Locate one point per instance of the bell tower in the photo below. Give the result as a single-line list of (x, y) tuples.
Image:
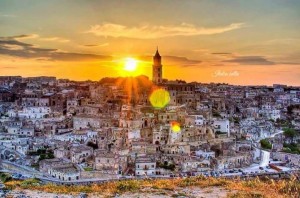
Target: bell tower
[(157, 68)]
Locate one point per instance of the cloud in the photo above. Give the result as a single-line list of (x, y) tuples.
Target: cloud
[(8, 15), (21, 37), (292, 58), (201, 50), (174, 60), (222, 53), (152, 32), (37, 37), (283, 41), (183, 61), (58, 39), (63, 56), (12, 47), (289, 63), (257, 60), (250, 60), (95, 45)]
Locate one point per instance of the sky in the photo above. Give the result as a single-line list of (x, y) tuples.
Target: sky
[(232, 41)]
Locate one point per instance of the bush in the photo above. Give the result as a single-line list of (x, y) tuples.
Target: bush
[(291, 148), (49, 154), (130, 185), (291, 187), (265, 144), (30, 182), (5, 177), (289, 133), (167, 166), (88, 168)]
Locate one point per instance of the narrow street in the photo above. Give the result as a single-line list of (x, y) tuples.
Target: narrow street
[(265, 155)]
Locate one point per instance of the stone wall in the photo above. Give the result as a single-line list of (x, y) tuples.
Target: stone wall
[(97, 174)]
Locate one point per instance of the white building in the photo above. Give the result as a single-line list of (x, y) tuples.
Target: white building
[(222, 126), (65, 172), (85, 122), (28, 131), (145, 166), (31, 112)]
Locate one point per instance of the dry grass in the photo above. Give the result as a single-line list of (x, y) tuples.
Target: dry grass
[(254, 188), (267, 188)]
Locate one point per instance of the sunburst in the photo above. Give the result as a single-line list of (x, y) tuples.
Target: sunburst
[(130, 64)]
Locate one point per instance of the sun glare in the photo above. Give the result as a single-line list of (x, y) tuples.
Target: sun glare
[(130, 64)]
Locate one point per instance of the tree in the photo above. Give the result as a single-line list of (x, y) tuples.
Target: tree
[(41, 151), (166, 165), (265, 144), (42, 157), (46, 154), (5, 177), (289, 133)]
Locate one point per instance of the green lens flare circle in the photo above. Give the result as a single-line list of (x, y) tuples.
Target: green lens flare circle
[(160, 98)]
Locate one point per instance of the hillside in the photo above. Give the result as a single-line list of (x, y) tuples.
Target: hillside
[(179, 187)]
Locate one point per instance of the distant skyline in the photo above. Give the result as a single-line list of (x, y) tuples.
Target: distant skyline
[(238, 42)]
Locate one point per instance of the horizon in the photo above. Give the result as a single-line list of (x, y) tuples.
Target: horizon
[(238, 43), (168, 80)]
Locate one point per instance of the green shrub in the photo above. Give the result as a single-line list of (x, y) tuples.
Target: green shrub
[(88, 168), (5, 177), (30, 182), (265, 144), (291, 148)]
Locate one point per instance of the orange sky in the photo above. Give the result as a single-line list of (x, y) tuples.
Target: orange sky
[(94, 71), (238, 42)]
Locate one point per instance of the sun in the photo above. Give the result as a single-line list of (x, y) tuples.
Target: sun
[(130, 64)]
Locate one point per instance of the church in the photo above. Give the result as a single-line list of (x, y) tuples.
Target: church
[(157, 68)]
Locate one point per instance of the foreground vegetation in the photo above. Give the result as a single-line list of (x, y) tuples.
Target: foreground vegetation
[(4, 177), (291, 148), (236, 188), (265, 144)]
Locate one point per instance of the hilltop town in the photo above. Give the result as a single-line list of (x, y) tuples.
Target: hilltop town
[(69, 132)]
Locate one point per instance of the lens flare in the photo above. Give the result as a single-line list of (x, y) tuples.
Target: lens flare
[(130, 64), (159, 98), (175, 126)]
